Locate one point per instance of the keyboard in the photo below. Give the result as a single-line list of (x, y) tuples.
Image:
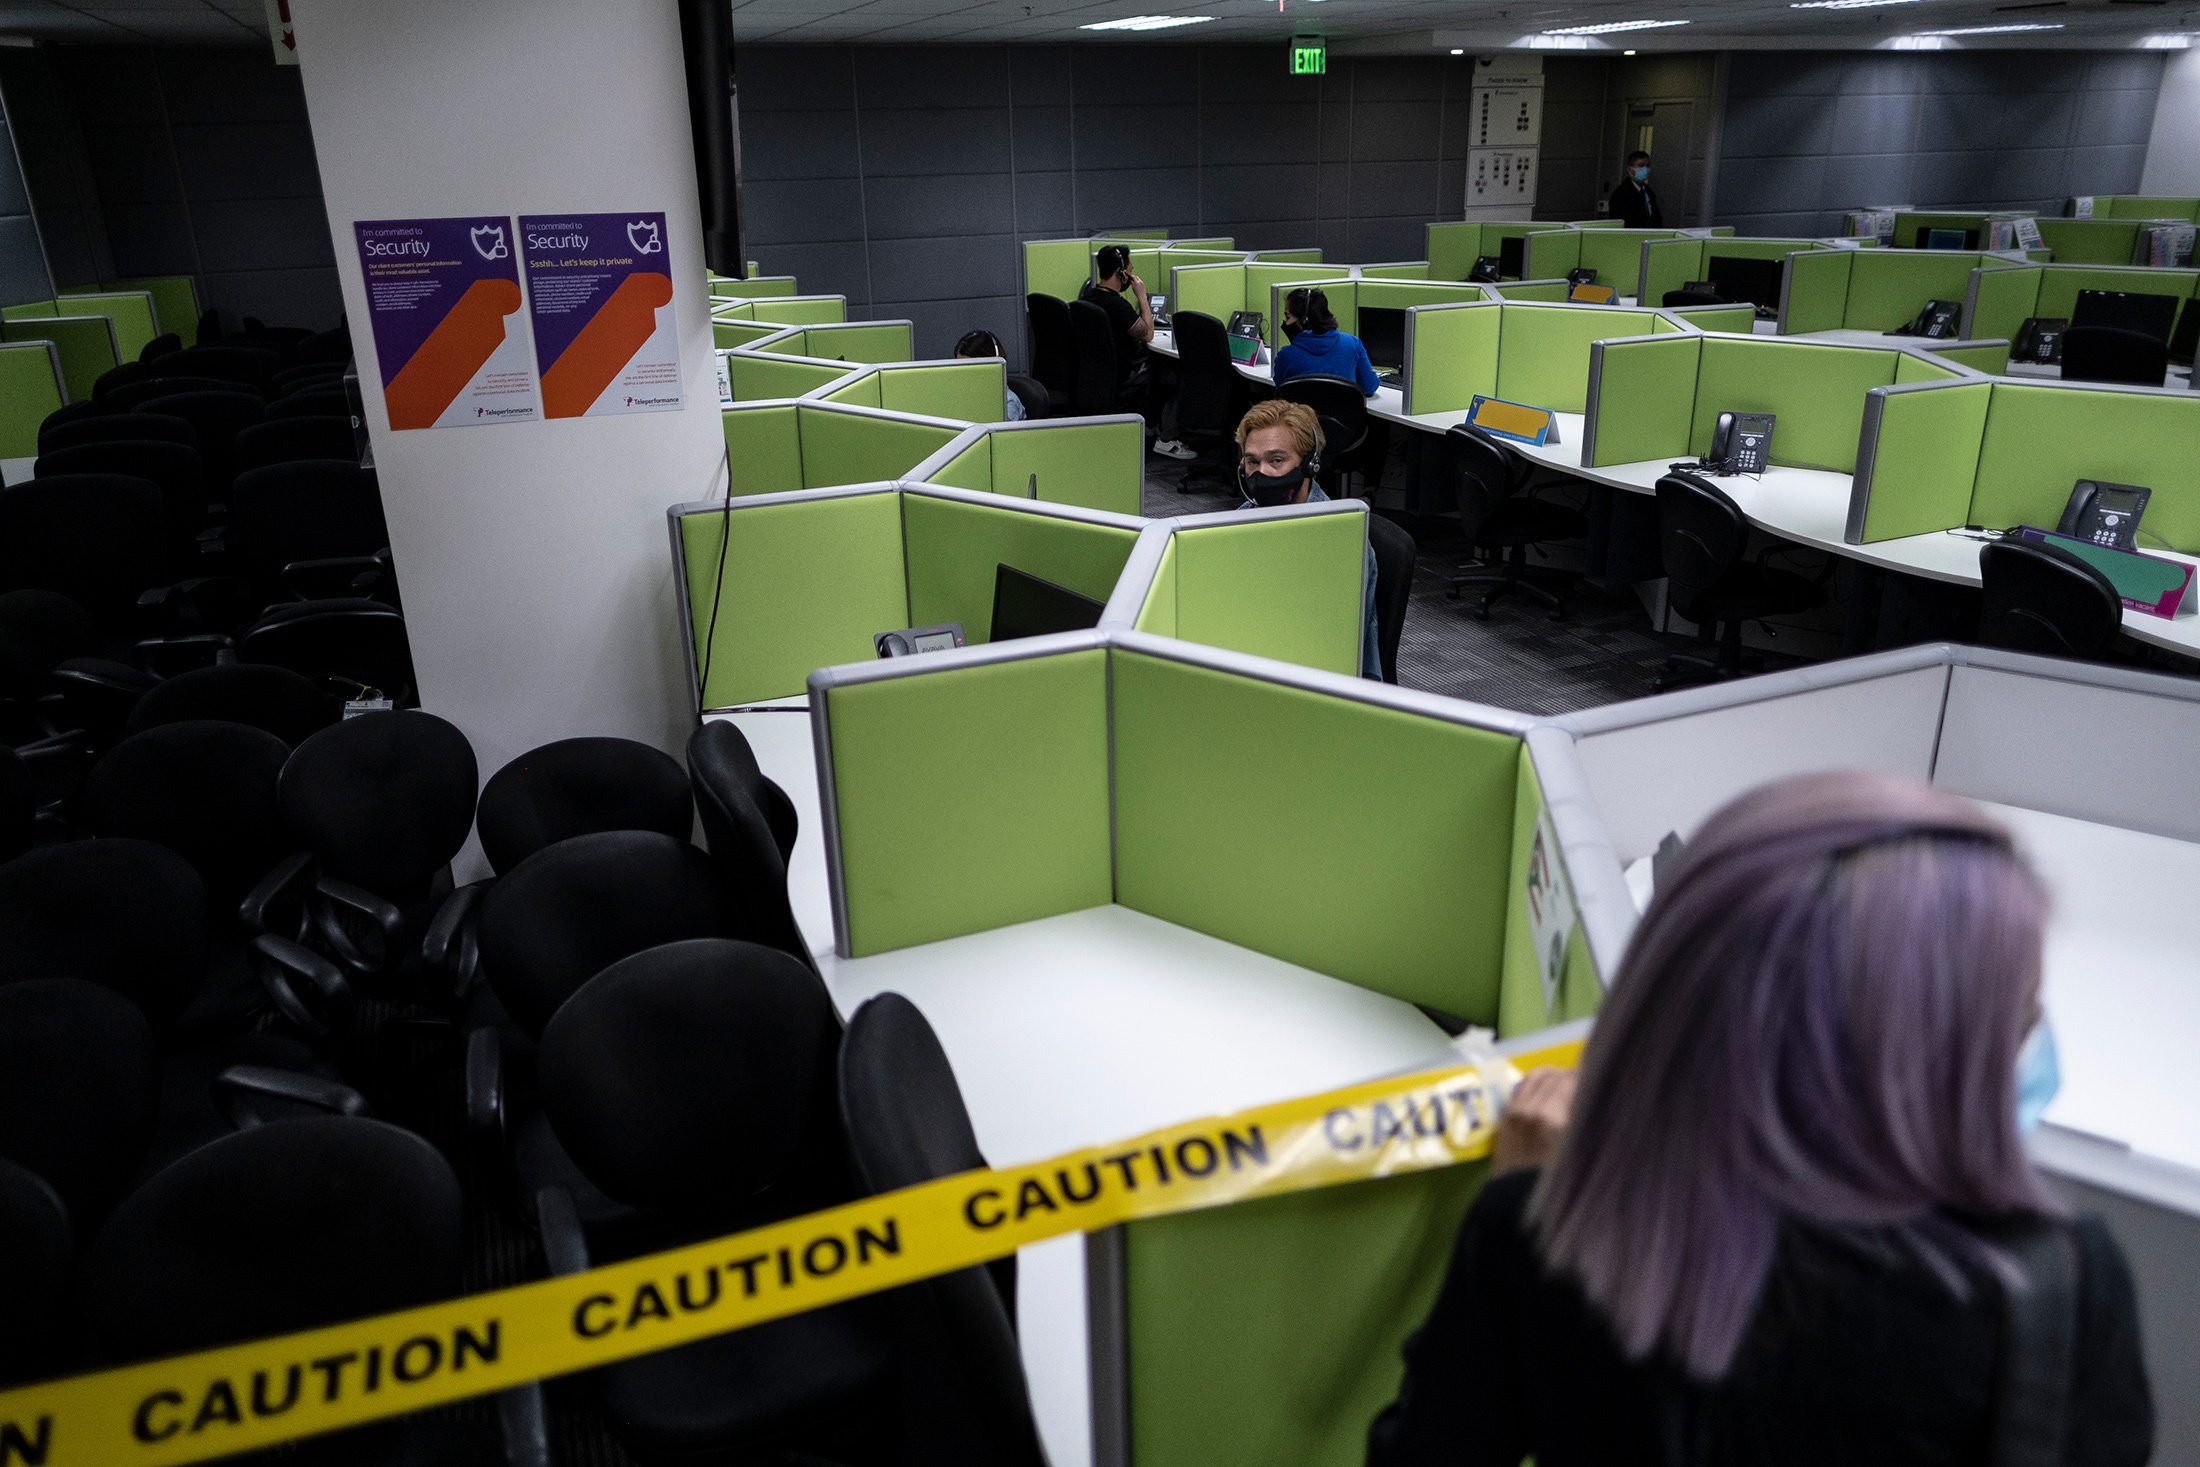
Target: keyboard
[(1391, 379)]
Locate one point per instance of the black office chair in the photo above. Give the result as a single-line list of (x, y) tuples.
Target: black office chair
[(1395, 555), (39, 630), (1100, 386), (357, 641), (327, 346), (120, 376), (78, 1090), (110, 427), (1210, 399), (204, 789), (132, 397), (309, 528), (1342, 409), (76, 412), (18, 806), (1032, 395), (172, 466), (216, 415), (578, 787), (2112, 354), (1694, 298), (287, 440), (317, 402), (1501, 519), (751, 827), (2043, 599), (292, 379), (1701, 538), (228, 362), (34, 1288), (98, 539), (1053, 350), (167, 344), (271, 698), (906, 1123), (210, 329), (696, 1081), (283, 1228)]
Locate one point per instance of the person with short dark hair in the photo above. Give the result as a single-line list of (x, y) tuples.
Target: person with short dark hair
[(1789, 1219), (1317, 347), (1634, 204), (983, 343), (1113, 288)]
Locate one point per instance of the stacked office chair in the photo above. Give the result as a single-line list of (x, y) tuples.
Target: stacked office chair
[(120, 376), (132, 397), (174, 467), (2043, 599), (78, 1090), (98, 539), (1395, 555), (751, 827), (694, 1084), (287, 439), (327, 346), (108, 427), (18, 805), (168, 343), (349, 639), (244, 365), (1342, 409), (2113, 354), (1098, 385), (578, 787), (1500, 518), (1210, 398), (204, 789), (291, 379), (1702, 539), (307, 529), (311, 402), (264, 697), (1053, 350), (215, 415), (963, 1381), (76, 412), (35, 1239)]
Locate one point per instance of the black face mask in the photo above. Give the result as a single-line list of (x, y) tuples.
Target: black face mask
[(1268, 490), (1291, 330)]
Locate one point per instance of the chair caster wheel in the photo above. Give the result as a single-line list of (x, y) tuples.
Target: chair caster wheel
[(1481, 613)]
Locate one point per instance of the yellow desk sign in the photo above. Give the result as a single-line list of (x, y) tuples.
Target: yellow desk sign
[(242, 1397)]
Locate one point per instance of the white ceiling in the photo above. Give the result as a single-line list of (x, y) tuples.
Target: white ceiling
[(1370, 26)]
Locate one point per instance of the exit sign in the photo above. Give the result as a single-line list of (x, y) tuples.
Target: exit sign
[(1309, 56)]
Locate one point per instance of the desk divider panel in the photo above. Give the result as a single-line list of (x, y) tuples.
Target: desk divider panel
[(1452, 352), (858, 389), (1288, 257), (1213, 290), (763, 448), (2000, 297), (854, 341), (953, 548), (1817, 391), (728, 333), (2145, 206), (131, 311), (1521, 1004), (1285, 584), (1543, 351), (1887, 288), (1172, 256), (1212, 242), (1454, 246), (787, 310), (2059, 285), (1060, 267), (30, 310), (1093, 463), (724, 287), (1399, 293), (967, 794), (1157, 614), (1919, 458), (1616, 255), (1740, 320), (1551, 252), (1670, 264), (1402, 270), (1642, 398), (1990, 358), (807, 582), (84, 344), (1814, 290), (31, 386), (2039, 440), (175, 300), (854, 446), (1910, 367), (1261, 279), (757, 376), (969, 391), (1540, 291), (2091, 241)]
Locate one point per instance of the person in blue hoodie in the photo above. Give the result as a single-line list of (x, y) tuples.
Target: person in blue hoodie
[(1317, 347)]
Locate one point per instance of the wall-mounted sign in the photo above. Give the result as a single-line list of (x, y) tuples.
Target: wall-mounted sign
[(443, 298), (599, 291), (1309, 56), (281, 33)]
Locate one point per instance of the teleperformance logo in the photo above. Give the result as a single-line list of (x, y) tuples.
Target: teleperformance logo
[(506, 412), (262, 1393), (653, 402)]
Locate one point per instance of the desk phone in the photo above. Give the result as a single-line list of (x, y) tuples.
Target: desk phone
[(944, 637), (2106, 514)]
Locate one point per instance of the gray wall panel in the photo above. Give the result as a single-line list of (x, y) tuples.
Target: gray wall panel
[(946, 140), (799, 210), (22, 265)]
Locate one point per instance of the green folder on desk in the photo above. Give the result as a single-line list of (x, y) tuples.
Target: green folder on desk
[(2147, 583), (1243, 349)]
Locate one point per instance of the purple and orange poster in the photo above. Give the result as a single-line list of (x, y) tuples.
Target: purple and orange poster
[(599, 290), (443, 295)]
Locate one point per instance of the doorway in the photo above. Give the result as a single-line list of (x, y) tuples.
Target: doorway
[(1666, 131)]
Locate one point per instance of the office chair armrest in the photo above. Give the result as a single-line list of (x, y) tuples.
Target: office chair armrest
[(341, 575), (1825, 572), (279, 895), (288, 972), (168, 656), (452, 950), (363, 932), (235, 1087), (199, 604), (564, 1242), (485, 1092), (523, 1420)]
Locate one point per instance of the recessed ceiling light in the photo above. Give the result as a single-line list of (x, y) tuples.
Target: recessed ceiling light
[(2166, 43), (1458, 50), (1843, 4), (1612, 26), (1992, 30), (1916, 43), (1145, 23)]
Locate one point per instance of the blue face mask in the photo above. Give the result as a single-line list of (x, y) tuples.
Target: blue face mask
[(1642, 175), (2039, 1076)]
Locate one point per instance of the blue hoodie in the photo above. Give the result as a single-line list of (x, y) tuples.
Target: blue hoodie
[(1327, 354)]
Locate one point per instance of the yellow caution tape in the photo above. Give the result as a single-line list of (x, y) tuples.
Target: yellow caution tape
[(242, 1397)]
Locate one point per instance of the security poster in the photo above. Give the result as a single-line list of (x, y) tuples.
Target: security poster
[(599, 291), (443, 296)]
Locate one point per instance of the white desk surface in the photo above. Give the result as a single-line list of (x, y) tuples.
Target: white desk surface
[(1090, 1027), (781, 742), (2122, 979), (16, 470)]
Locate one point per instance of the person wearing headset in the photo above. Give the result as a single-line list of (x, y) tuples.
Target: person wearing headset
[(1317, 348), (983, 343), (1788, 1218), (1279, 453), (1113, 288), (1633, 204)]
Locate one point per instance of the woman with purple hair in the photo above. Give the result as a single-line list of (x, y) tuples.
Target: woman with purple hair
[(1789, 1219)]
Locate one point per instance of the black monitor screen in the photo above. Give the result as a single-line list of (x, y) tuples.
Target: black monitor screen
[(1383, 333), (1025, 606), (2150, 315), (2184, 342), (1737, 278), (1512, 257), (1946, 239)]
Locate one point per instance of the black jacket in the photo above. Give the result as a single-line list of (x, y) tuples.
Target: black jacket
[(1858, 1354), (1636, 207)]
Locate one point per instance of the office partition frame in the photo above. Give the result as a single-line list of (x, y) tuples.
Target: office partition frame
[(948, 452), (53, 359), (1681, 326), (788, 331), (1970, 294)]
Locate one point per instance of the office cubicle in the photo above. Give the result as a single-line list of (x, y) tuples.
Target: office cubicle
[(174, 300), (1061, 267), (846, 341), (1999, 296), (1454, 246), (725, 287), (2143, 206), (1535, 354), (1095, 790), (761, 376), (83, 346), (1672, 264), (2117, 840), (1345, 298), (1615, 254), (972, 389), (2094, 241), (1872, 290), (1659, 396), (774, 446), (31, 387), (1996, 453), (1981, 229), (784, 310), (1096, 463)]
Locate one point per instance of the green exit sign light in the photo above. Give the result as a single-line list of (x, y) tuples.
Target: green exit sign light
[(1309, 56)]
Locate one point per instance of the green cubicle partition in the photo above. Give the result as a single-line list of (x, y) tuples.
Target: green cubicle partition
[(2093, 241), (802, 580), (85, 346), (1670, 264), (726, 288), (972, 390), (1658, 397), (1614, 254), (1911, 226), (1999, 296), (1453, 247), (1288, 257), (1109, 768), (1871, 290), (785, 310), (1093, 463), (131, 311), (1526, 353), (1345, 298), (779, 445), (761, 376), (1060, 267), (1215, 290), (2144, 206), (848, 341), (174, 300), (31, 386), (731, 333), (1261, 278), (1939, 456), (1215, 242), (1397, 270), (1274, 583), (1170, 256)]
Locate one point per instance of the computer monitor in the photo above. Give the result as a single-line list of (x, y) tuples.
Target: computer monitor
[(1160, 304), (1738, 278), (1512, 257), (2184, 342), (2150, 315), (1025, 606), (1383, 333), (1947, 239)]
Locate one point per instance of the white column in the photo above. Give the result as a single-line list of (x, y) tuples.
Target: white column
[(533, 556), (2173, 153)]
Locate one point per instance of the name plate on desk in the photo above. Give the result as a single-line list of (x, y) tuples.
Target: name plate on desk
[(1513, 420), (2147, 583), (1593, 295)]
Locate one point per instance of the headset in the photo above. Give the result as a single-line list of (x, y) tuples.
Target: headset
[(1312, 463), (1111, 261)]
